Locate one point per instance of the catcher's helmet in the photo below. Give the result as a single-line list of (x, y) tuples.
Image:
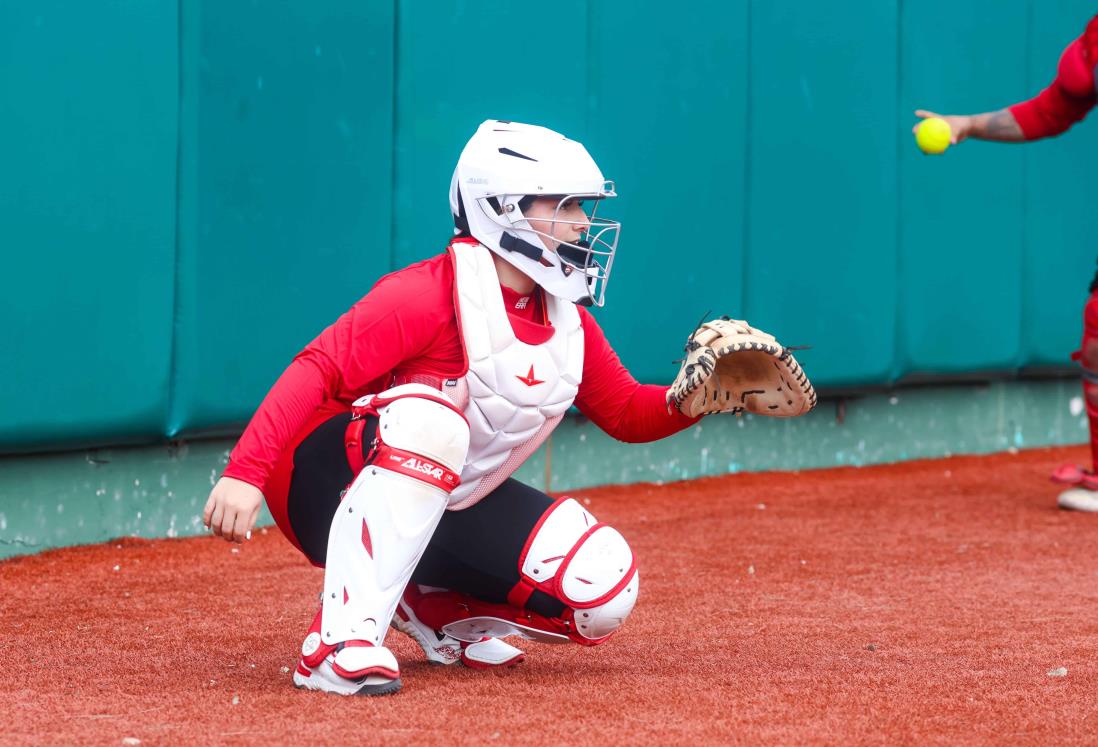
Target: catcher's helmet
[(506, 161)]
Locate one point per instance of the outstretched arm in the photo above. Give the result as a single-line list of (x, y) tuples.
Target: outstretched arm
[(1051, 112), (1000, 126)]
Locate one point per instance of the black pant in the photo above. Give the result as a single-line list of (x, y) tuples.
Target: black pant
[(474, 551)]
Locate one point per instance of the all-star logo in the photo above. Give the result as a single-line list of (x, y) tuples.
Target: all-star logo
[(529, 379), (425, 467)]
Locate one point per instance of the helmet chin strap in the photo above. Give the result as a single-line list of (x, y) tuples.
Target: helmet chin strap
[(525, 248)]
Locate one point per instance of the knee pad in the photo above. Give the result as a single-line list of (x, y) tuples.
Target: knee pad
[(573, 558), (390, 510), (585, 564)]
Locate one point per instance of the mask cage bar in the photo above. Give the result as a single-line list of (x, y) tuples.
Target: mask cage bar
[(593, 255)]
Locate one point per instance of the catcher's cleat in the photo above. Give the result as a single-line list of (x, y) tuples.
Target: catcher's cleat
[(323, 677), (345, 668), (441, 648), (1079, 499)]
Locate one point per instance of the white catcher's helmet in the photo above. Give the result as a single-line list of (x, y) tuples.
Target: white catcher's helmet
[(506, 161)]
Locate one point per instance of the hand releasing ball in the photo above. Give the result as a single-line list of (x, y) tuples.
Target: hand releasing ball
[(933, 135)]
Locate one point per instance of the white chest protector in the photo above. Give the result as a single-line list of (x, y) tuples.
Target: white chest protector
[(514, 393)]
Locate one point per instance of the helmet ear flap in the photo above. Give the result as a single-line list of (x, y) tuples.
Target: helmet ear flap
[(461, 222)]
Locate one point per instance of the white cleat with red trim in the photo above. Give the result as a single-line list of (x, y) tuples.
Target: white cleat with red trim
[(323, 677), (346, 668), (440, 648)]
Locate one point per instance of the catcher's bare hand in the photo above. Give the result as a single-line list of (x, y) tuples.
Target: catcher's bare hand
[(732, 367), (232, 509)]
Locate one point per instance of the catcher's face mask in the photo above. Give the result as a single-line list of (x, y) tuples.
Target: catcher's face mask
[(583, 243), (507, 165)]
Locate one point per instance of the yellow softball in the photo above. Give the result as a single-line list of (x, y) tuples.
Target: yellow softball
[(932, 135)]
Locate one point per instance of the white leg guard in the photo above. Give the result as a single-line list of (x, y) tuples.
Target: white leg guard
[(384, 523)]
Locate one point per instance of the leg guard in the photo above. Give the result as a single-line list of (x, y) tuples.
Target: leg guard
[(383, 525), (585, 564)]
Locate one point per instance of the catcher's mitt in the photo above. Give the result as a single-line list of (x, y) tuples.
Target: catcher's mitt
[(732, 367)]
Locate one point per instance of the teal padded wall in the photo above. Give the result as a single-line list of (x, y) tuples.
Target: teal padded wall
[(668, 105), (88, 134), (201, 187), (962, 216), (821, 198), (285, 201), (461, 64)]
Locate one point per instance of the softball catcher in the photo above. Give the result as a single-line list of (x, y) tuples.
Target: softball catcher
[(385, 450)]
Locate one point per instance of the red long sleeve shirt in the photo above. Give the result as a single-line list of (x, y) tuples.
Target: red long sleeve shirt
[(1070, 96), (407, 324)]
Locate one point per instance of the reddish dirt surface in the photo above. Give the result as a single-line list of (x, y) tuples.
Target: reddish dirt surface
[(920, 603)]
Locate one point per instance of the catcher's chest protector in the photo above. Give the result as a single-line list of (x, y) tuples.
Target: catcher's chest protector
[(517, 393)]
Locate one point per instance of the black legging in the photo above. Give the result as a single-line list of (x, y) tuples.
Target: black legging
[(474, 551)]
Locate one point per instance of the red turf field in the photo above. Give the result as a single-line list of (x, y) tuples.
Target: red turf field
[(922, 603)]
